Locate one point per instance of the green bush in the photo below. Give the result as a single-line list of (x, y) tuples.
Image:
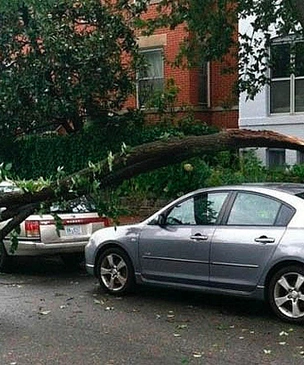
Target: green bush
[(35, 156), (226, 168)]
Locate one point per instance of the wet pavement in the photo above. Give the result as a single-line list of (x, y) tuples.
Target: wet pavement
[(49, 315)]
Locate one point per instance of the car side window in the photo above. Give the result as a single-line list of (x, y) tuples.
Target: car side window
[(284, 216), (201, 209), (254, 209), (182, 213), (208, 207)]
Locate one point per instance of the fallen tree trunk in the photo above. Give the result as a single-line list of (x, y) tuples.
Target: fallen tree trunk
[(140, 159)]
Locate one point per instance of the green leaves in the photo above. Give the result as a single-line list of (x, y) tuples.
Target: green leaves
[(14, 234), (5, 170), (58, 223)]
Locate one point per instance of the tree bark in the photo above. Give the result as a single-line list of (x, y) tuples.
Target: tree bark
[(142, 159)]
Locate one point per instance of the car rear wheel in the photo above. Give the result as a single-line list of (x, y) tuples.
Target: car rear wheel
[(115, 271), (286, 293)]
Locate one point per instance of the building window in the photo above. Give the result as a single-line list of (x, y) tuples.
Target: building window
[(287, 76), (300, 158), (150, 77), (276, 157), (204, 85)]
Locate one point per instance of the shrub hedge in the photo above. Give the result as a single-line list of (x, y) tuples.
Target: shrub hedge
[(40, 155)]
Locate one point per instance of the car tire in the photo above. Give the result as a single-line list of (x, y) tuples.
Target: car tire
[(5, 260), (286, 293), (115, 272)]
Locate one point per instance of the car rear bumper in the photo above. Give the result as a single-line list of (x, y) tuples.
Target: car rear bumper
[(32, 248)]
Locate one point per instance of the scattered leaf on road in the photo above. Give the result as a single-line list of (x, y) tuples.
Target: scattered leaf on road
[(182, 326), (97, 301), (109, 308), (44, 313), (267, 352)]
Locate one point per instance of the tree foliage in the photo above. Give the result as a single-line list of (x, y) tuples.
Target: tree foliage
[(62, 61)]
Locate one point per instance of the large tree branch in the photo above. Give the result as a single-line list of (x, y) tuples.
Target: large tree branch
[(19, 217), (146, 158), (153, 155)]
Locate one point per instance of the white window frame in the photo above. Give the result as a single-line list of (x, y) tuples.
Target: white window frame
[(291, 79), (150, 50)]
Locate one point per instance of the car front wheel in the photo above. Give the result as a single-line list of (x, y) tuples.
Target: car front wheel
[(115, 271), (286, 293)]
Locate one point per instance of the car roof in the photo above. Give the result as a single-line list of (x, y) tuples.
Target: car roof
[(291, 188), (273, 188)]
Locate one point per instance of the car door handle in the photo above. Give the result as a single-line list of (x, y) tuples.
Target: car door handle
[(264, 239), (199, 237)]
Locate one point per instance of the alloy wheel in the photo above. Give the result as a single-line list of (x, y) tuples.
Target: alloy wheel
[(288, 295), (114, 272)]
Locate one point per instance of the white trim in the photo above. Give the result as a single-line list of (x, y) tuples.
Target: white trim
[(289, 40), (149, 50)]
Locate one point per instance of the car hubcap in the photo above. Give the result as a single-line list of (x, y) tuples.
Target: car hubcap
[(114, 272), (289, 295)]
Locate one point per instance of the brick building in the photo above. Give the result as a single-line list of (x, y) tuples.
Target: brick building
[(207, 90)]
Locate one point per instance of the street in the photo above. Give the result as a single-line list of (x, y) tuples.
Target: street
[(53, 316)]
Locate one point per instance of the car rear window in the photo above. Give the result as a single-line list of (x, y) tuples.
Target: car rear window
[(300, 195), (79, 205), (8, 188)]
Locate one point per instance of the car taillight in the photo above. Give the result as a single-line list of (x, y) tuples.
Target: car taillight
[(32, 229), (106, 221)]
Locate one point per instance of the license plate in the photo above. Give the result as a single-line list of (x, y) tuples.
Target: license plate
[(73, 230)]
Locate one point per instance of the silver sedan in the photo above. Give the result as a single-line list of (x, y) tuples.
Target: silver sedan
[(245, 240)]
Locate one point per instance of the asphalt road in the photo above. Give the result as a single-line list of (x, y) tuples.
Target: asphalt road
[(52, 316)]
